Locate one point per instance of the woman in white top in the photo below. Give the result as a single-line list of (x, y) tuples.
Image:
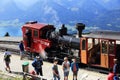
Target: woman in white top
[(7, 56), (66, 68)]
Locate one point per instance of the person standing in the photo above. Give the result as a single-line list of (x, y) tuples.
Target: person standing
[(7, 60), (74, 68), (116, 70), (37, 64), (29, 36), (56, 75), (66, 68), (21, 47), (115, 67)]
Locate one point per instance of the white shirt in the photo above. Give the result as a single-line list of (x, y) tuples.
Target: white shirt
[(66, 69), (7, 53)]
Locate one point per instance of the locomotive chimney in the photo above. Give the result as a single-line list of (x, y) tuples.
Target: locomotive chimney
[(80, 27)]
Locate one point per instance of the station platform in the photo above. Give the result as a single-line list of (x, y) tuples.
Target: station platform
[(16, 68)]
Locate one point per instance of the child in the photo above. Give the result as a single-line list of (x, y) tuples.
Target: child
[(56, 75), (74, 68)]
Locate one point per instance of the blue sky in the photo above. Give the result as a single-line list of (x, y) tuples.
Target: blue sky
[(25, 5)]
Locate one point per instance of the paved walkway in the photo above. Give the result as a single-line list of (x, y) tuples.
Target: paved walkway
[(16, 67)]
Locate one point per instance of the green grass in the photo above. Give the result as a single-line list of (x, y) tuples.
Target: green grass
[(11, 79)]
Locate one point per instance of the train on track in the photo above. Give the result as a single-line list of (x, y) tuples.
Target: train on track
[(98, 48)]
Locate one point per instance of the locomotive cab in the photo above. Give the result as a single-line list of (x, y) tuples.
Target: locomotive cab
[(35, 37)]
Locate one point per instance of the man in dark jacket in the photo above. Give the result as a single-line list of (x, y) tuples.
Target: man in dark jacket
[(37, 64), (115, 67), (21, 47), (29, 37)]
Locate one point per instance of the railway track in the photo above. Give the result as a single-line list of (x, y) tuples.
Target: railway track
[(10, 45)]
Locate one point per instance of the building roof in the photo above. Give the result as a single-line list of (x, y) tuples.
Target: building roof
[(104, 35)]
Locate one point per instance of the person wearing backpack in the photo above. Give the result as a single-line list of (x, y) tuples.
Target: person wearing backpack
[(74, 68), (22, 52), (66, 68), (37, 64), (7, 60)]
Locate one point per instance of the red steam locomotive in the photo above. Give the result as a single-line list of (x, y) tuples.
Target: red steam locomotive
[(98, 48)]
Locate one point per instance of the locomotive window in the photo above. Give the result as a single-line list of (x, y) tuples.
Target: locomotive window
[(96, 41), (83, 44), (104, 47), (43, 33), (35, 33), (111, 47)]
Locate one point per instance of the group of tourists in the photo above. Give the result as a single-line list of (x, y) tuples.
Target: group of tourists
[(66, 68), (38, 62)]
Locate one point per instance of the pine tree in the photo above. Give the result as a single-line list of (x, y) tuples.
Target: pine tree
[(7, 34)]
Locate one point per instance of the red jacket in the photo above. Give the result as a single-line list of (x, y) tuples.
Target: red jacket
[(110, 76)]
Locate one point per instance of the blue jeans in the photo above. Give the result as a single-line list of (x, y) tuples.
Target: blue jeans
[(56, 78), (39, 71)]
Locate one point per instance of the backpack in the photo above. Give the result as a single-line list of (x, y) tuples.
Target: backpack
[(7, 57), (34, 64), (65, 65)]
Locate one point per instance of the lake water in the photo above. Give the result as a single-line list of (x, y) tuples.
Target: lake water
[(13, 31), (17, 31)]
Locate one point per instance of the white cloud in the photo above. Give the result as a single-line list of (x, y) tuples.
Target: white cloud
[(25, 4), (109, 24), (13, 23), (92, 28), (49, 11), (74, 9), (96, 12), (118, 26), (118, 18), (58, 2)]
